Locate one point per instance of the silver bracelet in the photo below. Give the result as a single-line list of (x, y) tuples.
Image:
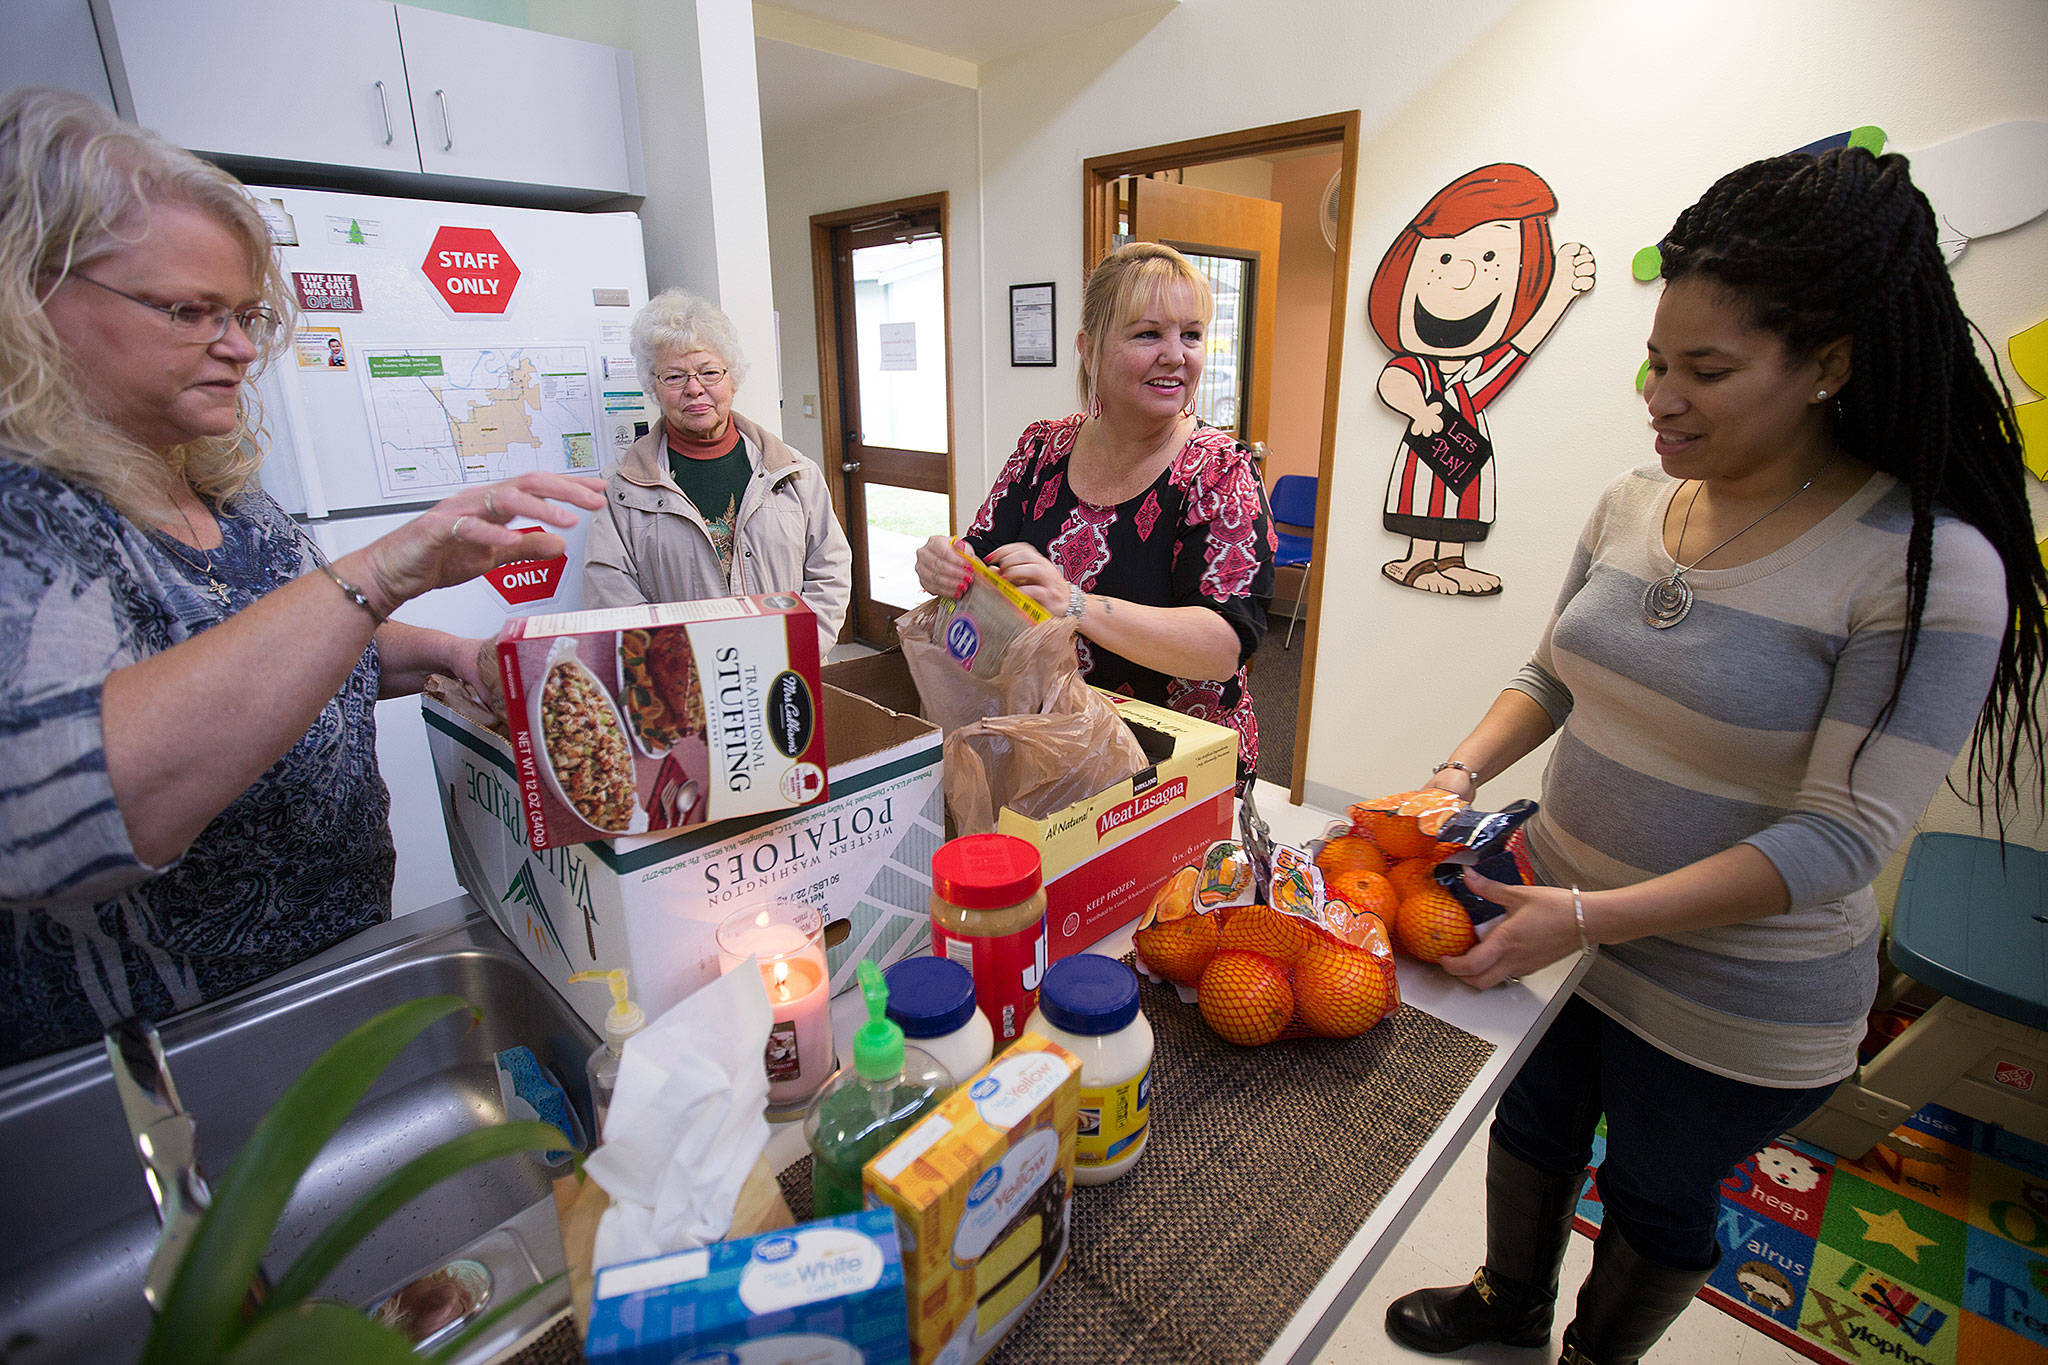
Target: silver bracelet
[(1579, 917), (353, 594), (1470, 772), (1077, 602)]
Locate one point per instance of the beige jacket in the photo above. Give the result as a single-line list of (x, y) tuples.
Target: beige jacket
[(651, 545)]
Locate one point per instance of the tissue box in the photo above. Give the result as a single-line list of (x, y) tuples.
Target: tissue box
[(651, 904), (802, 1296), (636, 719), (984, 1188), (1105, 856)]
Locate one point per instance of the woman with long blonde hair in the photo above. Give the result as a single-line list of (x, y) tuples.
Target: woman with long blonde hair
[(186, 684)]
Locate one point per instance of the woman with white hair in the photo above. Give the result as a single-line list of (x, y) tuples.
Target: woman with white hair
[(191, 799), (709, 504)]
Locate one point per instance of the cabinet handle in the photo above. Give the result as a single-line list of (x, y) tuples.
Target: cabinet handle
[(447, 126), (384, 104)]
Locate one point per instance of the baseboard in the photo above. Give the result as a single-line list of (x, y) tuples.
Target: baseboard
[(1322, 796)]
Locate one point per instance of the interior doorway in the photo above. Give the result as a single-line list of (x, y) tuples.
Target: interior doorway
[(886, 393), (1281, 358)]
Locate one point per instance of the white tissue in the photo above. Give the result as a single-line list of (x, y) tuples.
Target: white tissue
[(686, 1123)]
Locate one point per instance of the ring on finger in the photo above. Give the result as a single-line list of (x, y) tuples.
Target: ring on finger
[(456, 529), (491, 503)]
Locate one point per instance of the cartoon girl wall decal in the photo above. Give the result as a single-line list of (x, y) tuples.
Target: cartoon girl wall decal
[(1462, 297)]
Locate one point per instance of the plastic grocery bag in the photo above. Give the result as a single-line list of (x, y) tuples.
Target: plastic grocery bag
[(1032, 735)]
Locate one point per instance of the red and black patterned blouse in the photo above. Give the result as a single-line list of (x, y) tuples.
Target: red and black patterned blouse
[(1200, 535)]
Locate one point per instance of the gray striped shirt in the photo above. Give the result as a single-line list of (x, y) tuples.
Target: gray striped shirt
[(1740, 725)]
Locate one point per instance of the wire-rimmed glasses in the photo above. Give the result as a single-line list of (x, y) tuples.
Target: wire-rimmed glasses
[(205, 323)]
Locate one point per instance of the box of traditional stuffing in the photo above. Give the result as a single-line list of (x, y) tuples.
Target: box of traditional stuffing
[(823, 1293), (652, 903), (984, 1189), (632, 720)]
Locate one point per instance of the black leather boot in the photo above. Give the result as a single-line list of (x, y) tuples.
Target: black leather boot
[(1528, 1221), (1626, 1303)]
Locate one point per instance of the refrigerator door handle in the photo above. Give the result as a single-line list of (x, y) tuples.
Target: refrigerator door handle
[(447, 126), (384, 104)]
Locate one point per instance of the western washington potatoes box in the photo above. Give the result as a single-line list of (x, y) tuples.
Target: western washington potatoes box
[(652, 903)]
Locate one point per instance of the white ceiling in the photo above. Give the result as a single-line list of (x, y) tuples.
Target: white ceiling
[(802, 88), (977, 30)]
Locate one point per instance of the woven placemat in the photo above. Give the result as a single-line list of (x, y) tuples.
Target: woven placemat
[(1262, 1164), (560, 1344)]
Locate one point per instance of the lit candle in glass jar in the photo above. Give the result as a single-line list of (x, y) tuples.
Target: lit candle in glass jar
[(787, 940)]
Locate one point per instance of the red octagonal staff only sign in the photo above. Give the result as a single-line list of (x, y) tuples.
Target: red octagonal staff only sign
[(471, 269), (527, 580)]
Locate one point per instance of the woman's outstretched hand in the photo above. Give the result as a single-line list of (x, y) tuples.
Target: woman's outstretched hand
[(460, 537), (942, 570), (1537, 930)]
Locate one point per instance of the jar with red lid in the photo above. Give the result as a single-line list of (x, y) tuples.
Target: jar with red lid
[(988, 914)]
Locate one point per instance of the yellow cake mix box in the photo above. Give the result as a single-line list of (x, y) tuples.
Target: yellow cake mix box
[(983, 1190)]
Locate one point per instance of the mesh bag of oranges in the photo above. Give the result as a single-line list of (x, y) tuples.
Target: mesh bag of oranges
[(1404, 856), (1304, 965)]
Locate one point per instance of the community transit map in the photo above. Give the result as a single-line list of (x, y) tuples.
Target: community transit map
[(445, 416)]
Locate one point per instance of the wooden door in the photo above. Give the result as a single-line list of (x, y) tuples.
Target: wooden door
[(886, 316), (1235, 241)]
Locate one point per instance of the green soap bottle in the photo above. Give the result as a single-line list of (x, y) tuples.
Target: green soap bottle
[(863, 1107)]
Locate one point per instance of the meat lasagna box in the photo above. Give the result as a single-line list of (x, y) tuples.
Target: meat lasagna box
[(983, 1189), (636, 719)]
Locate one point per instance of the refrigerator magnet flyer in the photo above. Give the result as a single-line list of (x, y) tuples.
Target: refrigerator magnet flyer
[(320, 348), (1467, 290)]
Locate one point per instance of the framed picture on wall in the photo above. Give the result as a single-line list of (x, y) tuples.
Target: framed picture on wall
[(1032, 325)]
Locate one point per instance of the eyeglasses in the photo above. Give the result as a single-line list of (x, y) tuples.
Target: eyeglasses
[(710, 378), (205, 323)]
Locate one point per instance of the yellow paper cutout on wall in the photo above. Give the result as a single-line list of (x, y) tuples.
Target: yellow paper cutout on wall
[(2029, 352)]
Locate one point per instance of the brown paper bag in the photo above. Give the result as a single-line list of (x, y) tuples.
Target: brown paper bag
[(581, 1201)]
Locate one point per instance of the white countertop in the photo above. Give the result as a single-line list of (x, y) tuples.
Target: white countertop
[(1511, 1017)]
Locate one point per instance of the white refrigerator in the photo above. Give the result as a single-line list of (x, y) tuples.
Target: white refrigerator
[(439, 346)]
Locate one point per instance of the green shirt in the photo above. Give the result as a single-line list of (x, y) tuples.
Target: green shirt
[(716, 486)]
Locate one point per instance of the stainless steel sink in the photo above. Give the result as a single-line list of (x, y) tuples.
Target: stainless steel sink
[(79, 1227)]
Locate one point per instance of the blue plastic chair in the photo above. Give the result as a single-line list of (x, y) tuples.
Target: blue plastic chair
[(1294, 504)]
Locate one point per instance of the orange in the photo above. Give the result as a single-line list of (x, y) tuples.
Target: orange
[(1245, 997), (1178, 949), (1350, 853), (1175, 897), (1433, 926), (1412, 876), (1367, 892), (1340, 991), (1262, 929)]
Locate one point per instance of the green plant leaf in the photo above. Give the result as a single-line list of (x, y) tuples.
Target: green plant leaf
[(320, 1333), (399, 1188), (447, 1350), (201, 1317)]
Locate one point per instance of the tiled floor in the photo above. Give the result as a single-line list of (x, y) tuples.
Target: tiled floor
[(1447, 1239)]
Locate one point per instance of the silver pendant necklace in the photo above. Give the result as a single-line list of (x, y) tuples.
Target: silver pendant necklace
[(213, 587), (1667, 600)]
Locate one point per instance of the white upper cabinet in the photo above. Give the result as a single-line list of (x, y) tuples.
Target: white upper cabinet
[(501, 103), (322, 83), (372, 85)]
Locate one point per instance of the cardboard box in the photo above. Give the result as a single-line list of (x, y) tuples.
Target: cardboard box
[(639, 719), (1105, 856), (651, 904), (984, 1188), (820, 1293)]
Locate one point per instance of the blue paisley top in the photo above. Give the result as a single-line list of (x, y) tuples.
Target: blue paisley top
[(299, 861)]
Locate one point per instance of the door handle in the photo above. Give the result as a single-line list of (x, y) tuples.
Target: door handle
[(849, 466), (384, 105), (447, 125)]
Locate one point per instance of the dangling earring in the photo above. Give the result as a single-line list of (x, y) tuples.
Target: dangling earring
[(1094, 402)]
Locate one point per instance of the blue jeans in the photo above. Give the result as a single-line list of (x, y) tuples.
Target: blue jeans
[(1674, 1131)]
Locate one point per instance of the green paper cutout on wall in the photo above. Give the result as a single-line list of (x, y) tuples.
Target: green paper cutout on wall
[(2029, 353), (1466, 291)]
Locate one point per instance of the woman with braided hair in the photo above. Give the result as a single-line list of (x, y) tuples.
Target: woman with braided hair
[(1766, 656)]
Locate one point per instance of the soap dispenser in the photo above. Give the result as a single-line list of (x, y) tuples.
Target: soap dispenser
[(863, 1107), (623, 1021)]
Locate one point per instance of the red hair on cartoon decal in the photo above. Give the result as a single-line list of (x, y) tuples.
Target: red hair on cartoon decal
[(1501, 192)]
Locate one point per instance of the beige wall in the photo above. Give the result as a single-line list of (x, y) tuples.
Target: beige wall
[(1301, 325)]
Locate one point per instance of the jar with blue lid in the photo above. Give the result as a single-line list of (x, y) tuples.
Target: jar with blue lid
[(1088, 1004), (932, 1000)]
